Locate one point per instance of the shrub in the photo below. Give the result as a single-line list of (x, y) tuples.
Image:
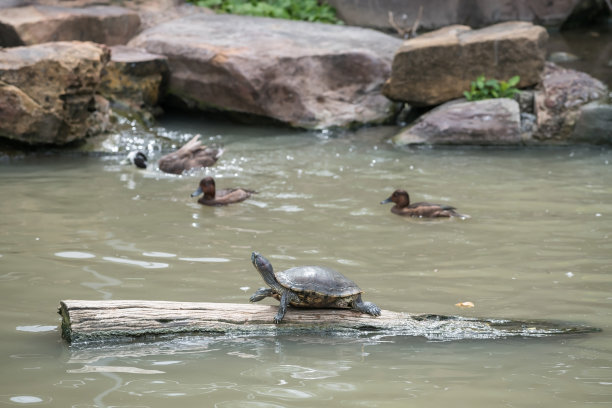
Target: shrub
[(483, 88), (305, 10)]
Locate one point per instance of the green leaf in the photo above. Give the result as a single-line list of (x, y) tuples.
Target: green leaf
[(492, 83), (480, 82), (514, 81)]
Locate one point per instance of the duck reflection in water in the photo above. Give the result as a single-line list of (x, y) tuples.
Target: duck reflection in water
[(421, 209), (212, 196)]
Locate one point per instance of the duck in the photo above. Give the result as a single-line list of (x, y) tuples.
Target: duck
[(192, 155), (219, 197), (137, 158), (422, 209)]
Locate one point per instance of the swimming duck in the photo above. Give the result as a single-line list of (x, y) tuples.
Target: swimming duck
[(139, 159), (219, 197), (191, 155), (423, 210)]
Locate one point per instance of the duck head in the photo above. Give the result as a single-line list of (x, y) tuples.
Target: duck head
[(139, 159), (206, 187), (399, 197)]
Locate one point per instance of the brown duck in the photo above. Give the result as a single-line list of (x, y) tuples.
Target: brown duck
[(212, 196), (191, 155), (422, 209)]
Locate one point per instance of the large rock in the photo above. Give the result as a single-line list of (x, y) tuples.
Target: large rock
[(304, 74), (486, 122), (47, 92), (594, 125), (559, 102), (442, 13), (38, 24), (155, 12), (439, 66), (134, 79)]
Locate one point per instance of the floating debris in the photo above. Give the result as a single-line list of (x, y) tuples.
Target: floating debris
[(465, 305)]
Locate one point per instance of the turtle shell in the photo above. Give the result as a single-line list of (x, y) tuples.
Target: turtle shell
[(318, 280)]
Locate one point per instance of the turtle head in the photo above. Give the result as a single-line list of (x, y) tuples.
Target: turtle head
[(264, 267)]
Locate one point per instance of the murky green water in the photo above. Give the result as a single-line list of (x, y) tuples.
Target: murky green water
[(538, 246)]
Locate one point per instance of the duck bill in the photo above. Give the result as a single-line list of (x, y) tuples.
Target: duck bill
[(387, 201), (197, 192)]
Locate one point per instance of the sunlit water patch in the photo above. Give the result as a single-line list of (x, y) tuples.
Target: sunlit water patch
[(75, 255), (113, 369), (26, 399), (159, 254), (142, 264), (168, 362), (36, 328), (208, 260)]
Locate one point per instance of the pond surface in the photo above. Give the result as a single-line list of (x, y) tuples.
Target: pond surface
[(538, 245), (587, 49)]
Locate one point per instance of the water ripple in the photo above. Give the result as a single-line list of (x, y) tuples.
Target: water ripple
[(296, 371), (283, 392), (113, 369), (247, 404), (288, 208), (143, 264), (338, 386), (165, 388)]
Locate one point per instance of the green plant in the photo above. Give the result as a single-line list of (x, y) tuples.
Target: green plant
[(305, 10), (483, 88)]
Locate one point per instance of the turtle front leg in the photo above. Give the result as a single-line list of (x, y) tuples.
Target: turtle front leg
[(262, 293), (282, 309), (366, 307)]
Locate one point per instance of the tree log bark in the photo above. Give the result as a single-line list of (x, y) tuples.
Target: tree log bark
[(99, 320)]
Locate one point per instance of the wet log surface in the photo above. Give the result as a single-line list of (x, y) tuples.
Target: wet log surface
[(116, 320)]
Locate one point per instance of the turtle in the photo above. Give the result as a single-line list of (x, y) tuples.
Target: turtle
[(309, 286)]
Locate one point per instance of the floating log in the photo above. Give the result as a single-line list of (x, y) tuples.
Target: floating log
[(99, 320)]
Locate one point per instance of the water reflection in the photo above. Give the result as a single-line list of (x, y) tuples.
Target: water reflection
[(214, 260), (105, 281), (26, 399), (159, 254), (257, 382), (36, 328), (75, 255), (135, 262)]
